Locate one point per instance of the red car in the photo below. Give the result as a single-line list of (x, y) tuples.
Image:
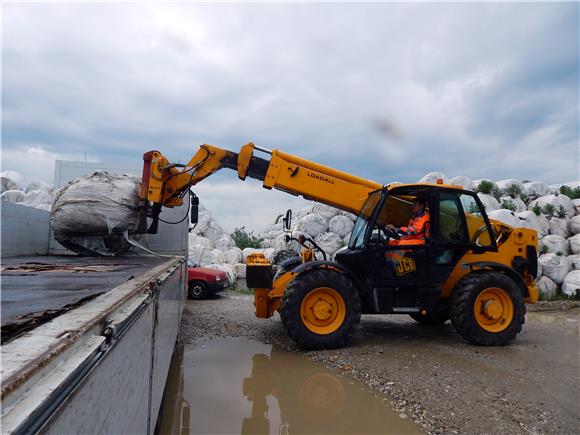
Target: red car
[(204, 282)]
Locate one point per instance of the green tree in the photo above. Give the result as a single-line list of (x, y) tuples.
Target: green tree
[(245, 239)]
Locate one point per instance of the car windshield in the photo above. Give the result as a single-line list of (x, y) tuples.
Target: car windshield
[(357, 236)]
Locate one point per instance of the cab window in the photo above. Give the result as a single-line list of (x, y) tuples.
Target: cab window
[(451, 224), (478, 231)]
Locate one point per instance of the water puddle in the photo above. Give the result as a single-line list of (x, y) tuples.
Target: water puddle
[(230, 386)]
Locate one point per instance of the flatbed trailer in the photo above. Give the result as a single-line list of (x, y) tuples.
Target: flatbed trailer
[(87, 342)]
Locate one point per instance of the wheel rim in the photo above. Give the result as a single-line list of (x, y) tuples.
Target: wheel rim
[(323, 310), (321, 395), (196, 290), (494, 309)]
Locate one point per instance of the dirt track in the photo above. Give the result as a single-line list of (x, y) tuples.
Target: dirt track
[(429, 373)]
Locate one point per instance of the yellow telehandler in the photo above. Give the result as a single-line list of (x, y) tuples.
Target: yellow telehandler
[(475, 271)]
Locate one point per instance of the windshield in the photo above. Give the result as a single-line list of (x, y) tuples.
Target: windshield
[(357, 236)]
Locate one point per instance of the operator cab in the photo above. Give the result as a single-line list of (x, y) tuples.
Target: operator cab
[(405, 273)]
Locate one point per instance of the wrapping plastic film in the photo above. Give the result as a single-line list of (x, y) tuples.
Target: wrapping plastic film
[(90, 214)]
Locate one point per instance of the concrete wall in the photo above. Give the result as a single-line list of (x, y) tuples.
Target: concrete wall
[(170, 239), (25, 230)]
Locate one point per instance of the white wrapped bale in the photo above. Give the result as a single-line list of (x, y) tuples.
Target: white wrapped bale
[(548, 288), (489, 202), (504, 185), (575, 244), (571, 284), (199, 255), (36, 198), (432, 177), (349, 215), (240, 270), (536, 188), (556, 201), (462, 181), (505, 216), (217, 256), (574, 261), (268, 253), (575, 225), (293, 245), (10, 180), (329, 242), (196, 239), (555, 244), (267, 243), (325, 211), (516, 202), (204, 217), (224, 243), (313, 225), (340, 225), (233, 256), (12, 196), (100, 203), (38, 185), (576, 203), (214, 231), (529, 219), (555, 267), (559, 226)]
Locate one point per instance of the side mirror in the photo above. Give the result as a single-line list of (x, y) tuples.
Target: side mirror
[(286, 238), (193, 212), (287, 220)]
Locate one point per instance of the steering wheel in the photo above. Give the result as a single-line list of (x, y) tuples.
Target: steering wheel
[(392, 234)]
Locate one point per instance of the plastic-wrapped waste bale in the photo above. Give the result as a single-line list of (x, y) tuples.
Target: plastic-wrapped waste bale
[(340, 225), (505, 216), (504, 185), (233, 256), (432, 177), (214, 231), (575, 244), (574, 261), (38, 185), (555, 244), (555, 267), (489, 202), (37, 198), (313, 225), (97, 204), (10, 180), (45, 207), (240, 270), (12, 196), (575, 225), (199, 255), (462, 181), (224, 243), (517, 203), (559, 226), (576, 203), (217, 256), (204, 217), (556, 201), (329, 242), (571, 284), (196, 239), (536, 188), (539, 273), (293, 245), (548, 288), (267, 243), (349, 215), (529, 219), (325, 211), (268, 253)]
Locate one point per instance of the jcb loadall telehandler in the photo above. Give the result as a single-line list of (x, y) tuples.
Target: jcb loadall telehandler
[(476, 272)]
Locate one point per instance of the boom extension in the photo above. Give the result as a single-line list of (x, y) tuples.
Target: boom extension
[(164, 183)]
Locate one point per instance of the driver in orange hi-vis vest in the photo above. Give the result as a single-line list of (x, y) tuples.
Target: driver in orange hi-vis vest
[(417, 229)]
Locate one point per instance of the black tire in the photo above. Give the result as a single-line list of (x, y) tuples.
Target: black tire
[(295, 293), (438, 316), (462, 306), (197, 290)]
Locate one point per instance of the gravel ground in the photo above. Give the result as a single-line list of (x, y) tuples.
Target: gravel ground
[(429, 373)]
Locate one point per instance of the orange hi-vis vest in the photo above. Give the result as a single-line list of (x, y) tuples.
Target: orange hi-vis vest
[(416, 232)]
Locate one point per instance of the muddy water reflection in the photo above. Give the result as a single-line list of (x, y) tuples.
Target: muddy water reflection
[(237, 386)]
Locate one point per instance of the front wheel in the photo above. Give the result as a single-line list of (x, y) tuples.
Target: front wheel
[(197, 290), (321, 309), (487, 308)]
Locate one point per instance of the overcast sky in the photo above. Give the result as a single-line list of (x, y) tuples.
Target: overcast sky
[(385, 91)]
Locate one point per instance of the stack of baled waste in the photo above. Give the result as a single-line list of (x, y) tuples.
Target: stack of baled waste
[(35, 194), (552, 210)]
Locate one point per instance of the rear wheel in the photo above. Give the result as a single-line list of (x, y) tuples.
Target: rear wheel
[(320, 309), (487, 309), (437, 316), (197, 290)]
